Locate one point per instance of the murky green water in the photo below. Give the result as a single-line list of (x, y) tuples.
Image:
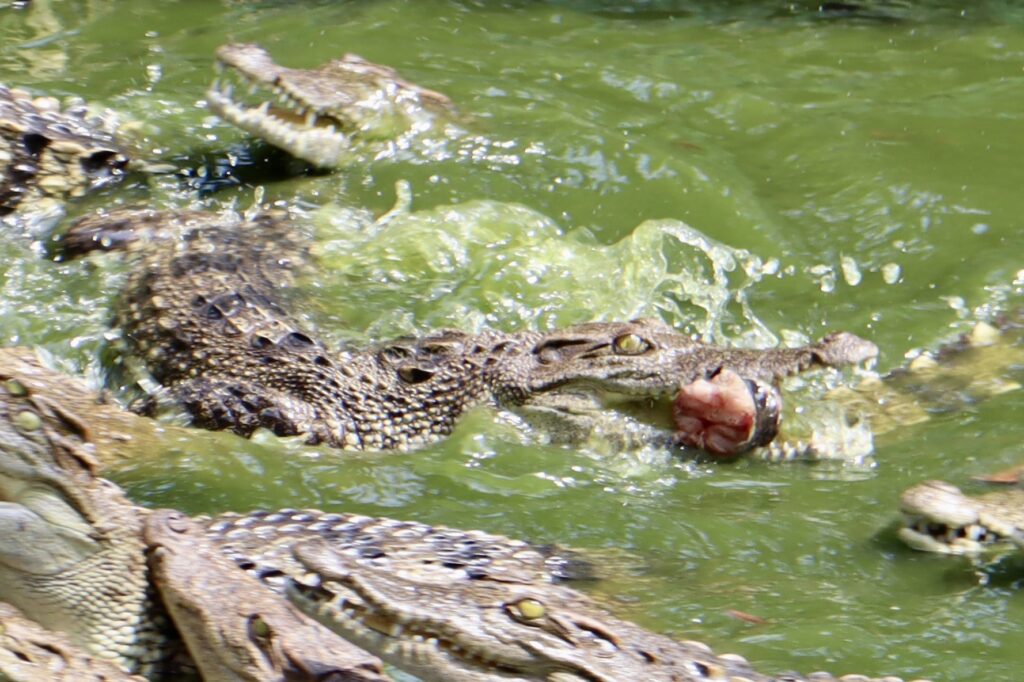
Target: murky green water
[(865, 171)]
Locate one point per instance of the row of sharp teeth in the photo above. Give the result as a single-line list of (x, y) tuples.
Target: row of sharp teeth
[(323, 146), (950, 534), (409, 645), (227, 90)]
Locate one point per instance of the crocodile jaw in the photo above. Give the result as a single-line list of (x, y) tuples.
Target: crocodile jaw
[(320, 111), (938, 517), (418, 649), (312, 138)]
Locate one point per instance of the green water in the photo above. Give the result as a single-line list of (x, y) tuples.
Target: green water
[(797, 142)]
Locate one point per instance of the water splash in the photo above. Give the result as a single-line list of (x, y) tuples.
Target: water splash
[(493, 264)]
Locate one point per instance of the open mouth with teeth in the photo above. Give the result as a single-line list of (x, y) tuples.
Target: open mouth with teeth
[(320, 114), (267, 111), (938, 517), (928, 535)]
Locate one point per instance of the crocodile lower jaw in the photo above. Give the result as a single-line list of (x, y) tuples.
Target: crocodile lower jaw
[(302, 133)]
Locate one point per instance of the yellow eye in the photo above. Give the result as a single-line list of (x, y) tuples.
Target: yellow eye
[(16, 388), (259, 627), (529, 609), (27, 421), (630, 344)]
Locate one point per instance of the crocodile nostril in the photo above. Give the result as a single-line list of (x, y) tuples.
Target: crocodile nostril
[(97, 161)]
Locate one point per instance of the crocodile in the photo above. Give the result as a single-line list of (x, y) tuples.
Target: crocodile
[(404, 394), (316, 114), (124, 583), (938, 517), (976, 365), (462, 630), (202, 308), (53, 152)]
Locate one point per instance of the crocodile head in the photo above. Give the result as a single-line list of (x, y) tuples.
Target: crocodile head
[(234, 627), (314, 114), (49, 152), (493, 629), (722, 400), (463, 628), (71, 555), (938, 517)]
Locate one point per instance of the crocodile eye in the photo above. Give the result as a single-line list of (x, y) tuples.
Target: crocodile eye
[(16, 388), (527, 609), (258, 628), (411, 374), (27, 420), (630, 344)]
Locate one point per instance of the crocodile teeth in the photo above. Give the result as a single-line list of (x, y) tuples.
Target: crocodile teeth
[(319, 144), (383, 625)]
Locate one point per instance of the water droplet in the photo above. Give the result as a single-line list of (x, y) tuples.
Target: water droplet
[(851, 271), (891, 273)]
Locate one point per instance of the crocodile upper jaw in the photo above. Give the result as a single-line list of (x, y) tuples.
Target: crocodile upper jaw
[(318, 112), (316, 139)]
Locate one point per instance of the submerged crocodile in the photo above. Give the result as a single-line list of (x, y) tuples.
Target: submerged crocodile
[(202, 308), (938, 517), (123, 583)]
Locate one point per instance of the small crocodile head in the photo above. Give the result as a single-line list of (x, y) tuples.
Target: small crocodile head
[(49, 152), (314, 114), (938, 517), (470, 629)]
